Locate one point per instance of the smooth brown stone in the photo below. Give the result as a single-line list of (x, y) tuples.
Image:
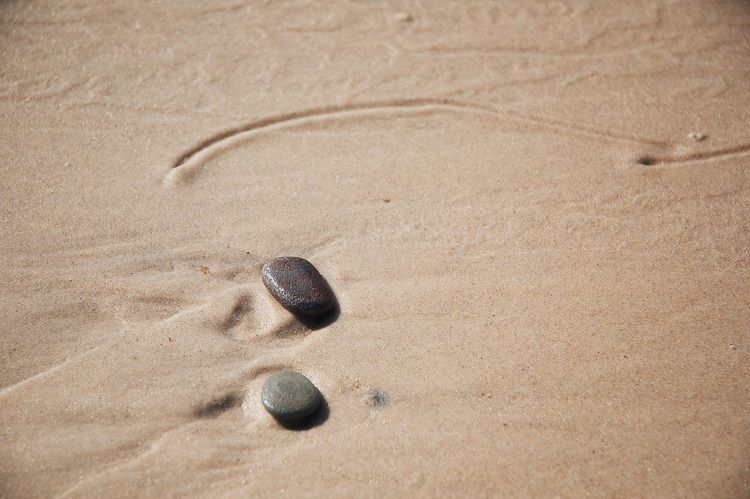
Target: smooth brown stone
[(298, 286)]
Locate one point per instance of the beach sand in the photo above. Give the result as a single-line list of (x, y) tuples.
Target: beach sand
[(534, 216)]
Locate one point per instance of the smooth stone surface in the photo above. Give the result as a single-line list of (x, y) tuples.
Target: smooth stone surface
[(290, 396), (298, 286)]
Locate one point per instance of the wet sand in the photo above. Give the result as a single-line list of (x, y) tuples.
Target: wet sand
[(534, 217)]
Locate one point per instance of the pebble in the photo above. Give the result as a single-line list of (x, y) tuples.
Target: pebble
[(289, 396), (298, 286)]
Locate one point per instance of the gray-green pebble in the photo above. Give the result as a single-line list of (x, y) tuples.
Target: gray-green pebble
[(289, 396)]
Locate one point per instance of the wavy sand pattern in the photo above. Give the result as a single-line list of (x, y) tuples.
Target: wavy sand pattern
[(533, 215), (191, 161)]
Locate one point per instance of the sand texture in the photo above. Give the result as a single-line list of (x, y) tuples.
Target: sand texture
[(535, 217)]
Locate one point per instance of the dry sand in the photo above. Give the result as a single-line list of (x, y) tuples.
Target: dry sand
[(546, 315)]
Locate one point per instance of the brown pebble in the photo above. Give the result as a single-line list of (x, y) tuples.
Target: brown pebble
[(298, 286)]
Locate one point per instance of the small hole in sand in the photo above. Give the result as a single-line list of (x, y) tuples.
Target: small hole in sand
[(376, 398), (646, 160)]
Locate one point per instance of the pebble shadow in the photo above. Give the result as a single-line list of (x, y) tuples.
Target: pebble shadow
[(315, 419), (325, 320)]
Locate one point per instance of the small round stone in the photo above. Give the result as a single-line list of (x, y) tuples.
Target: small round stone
[(298, 286), (289, 396)]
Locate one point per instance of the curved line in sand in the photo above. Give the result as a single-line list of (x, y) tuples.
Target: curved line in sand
[(656, 160), (191, 161)]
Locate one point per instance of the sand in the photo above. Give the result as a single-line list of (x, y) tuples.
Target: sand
[(534, 216)]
